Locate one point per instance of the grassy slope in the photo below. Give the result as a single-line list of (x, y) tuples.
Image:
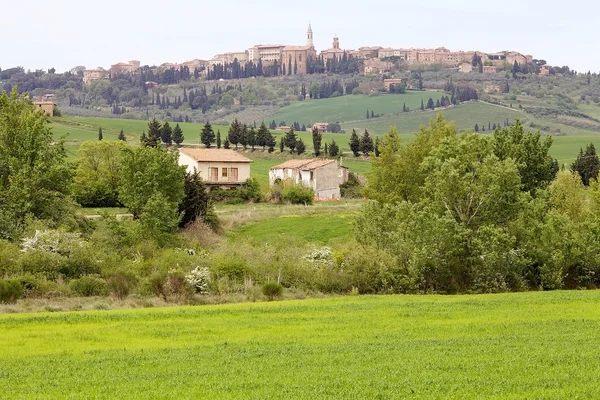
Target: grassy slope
[(523, 345)]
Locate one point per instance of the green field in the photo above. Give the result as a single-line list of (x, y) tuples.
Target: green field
[(350, 108), (521, 345), (316, 228)]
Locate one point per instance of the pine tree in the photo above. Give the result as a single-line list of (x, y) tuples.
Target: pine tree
[(334, 149), (476, 128), (167, 134), (218, 139), (234, 132), (587, 164), (207, 136), (143, 138), (244, 136), (317, 136), (154, 134), (178, 135), (300, 147), (271, 142), (100, 137), (366, 143), (262, 135), (252, 138), (122, 135), (354, 143), (226, 143), (291, 140), (430, 104)]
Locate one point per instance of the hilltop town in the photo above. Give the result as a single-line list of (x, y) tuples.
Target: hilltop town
[(281, 59)]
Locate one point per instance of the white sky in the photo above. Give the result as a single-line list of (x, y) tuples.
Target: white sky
[(67, 33)]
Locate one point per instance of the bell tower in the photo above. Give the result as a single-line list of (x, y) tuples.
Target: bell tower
[(309, 37)]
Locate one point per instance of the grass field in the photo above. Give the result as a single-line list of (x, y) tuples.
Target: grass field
[(521, 345), (350, 108)]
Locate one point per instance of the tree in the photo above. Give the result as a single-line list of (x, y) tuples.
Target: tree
[(334, 149), (244, 136), (97, 175), (262, 136), (300, 147), (226, 144), (376, 150), (252, 138), (476, 129), (372, 114), (167, 134), (366, 143), (271, 142), (196, 201), (317, 136), (234, 132), (354, 143), (422, 105), (100, 133), (326, 149), (154, 134), (218, 138), (178, 135), (587, 164), (430, 104), (290, 140), (207, 136), (334, 127), (35, 178), (147, 171), (531, 153), (281, 144), (122, 136)]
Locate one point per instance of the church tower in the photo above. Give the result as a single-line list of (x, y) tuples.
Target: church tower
[(309, 37)]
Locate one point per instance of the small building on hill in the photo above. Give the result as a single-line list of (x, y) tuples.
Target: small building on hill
[(322, 176), (321, 126), (47, 106), (217, 167)]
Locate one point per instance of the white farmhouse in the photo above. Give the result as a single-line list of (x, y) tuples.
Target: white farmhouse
[(218, 167), (322, 176)]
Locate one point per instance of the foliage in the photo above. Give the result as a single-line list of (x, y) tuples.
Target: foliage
[(272, 290), (10, 291), (34, 175), (298, 194), (146, 172), (199, 278), (97, 175), (354, 143), (89, 285), (587, 164), (121, 283), (196, 203), (207, 136), (351, 189)]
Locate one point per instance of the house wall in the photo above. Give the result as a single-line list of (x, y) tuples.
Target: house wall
[(327, 182), (204, 169)]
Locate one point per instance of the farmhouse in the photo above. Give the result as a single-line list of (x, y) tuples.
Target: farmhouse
[(47, 106), (321, 126), (217, 167), (322, 176)]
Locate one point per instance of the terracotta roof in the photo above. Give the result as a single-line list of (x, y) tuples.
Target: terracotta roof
[(309, 164), (296, 48), (223, 155)]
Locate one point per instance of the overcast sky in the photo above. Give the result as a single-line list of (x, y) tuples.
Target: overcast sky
[(67, 33)]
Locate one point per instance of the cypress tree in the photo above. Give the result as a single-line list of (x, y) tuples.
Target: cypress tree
[(178, 135), (218, 139), (122, 135), (100, 133), (354, 143), (316, 138), (167, 134), (207, 136)]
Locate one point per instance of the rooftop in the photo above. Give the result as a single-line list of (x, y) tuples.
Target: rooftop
[(222, 155), (308, 164)]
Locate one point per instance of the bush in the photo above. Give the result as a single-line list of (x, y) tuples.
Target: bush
[(299, 195), (121, 283), (89, 285), (10, 291), (32, 287), (272, 290)]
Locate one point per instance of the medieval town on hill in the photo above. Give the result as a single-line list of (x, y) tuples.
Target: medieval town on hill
[(280, 59)]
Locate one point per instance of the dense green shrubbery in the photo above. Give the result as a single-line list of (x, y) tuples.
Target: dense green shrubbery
[(272, 290), (89, 285), (298, 195), (10, 290)]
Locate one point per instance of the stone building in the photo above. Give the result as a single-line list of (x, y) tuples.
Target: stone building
[(376, 66), (545, 70), (296, 58), (217, 167), (46, 106), (490, 69), (322, 176), (334, 52), (124, 68), (90, 75)]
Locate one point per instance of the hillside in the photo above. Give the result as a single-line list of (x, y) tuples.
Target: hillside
[(518, 345)]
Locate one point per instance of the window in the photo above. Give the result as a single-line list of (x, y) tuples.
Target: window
[(234, 175), (224, 173), (214, 174), (299, 57)]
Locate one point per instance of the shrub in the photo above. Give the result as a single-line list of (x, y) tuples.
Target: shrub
[(31, 286), (89, 285), (199, 279), (178, 286), (121, 283), (272, 290), (10, 291), (298, 195), (157, 285)]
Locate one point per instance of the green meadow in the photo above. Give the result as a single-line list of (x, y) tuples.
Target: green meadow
[(537, 345)]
